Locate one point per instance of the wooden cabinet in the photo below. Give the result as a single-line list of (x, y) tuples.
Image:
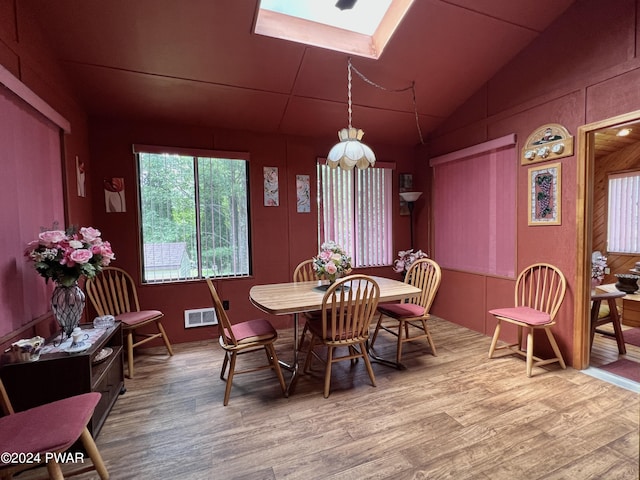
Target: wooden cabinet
[(631, 311), (59, 375)]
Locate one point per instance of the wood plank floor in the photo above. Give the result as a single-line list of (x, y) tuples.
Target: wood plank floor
[(605, 349), (457, 416)]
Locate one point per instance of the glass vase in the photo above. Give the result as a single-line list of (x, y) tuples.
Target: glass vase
[(67, 304)]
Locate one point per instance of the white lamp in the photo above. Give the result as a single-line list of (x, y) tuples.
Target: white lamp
[(350, 152), (410, 198)]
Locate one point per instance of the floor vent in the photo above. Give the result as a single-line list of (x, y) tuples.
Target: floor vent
[(200, 317)]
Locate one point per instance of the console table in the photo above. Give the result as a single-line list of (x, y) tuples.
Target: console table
[(60, 374), (630, 305)]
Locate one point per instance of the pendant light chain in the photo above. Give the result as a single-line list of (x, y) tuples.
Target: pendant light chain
[(412, 87), (349, 77)]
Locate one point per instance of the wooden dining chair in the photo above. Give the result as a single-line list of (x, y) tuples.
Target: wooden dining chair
[(410, 316), (539, 292), (305, 272), (244, 337), (113, 292), (348, 308), (43, 434)]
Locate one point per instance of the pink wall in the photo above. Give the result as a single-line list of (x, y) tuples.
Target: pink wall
[(27, 57), (584, 68)]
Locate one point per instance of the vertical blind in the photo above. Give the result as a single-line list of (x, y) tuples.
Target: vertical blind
[(33, 199), (355, 212), (623, 218), (475, 212)]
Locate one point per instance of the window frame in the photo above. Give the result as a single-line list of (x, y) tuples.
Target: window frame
[(196, 154), (612, 176), (354, 247), (488, 246)]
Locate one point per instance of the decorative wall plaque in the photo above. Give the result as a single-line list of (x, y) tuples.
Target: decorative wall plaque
[(549, 142)]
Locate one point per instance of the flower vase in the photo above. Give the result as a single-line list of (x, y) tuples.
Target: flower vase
[(67, 304), (594, 283), (627, 283)]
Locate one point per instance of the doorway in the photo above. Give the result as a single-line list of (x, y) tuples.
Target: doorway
[(595, 141)]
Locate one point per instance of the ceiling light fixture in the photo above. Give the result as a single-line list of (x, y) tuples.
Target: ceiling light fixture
[(624, 132), (345, 4), (349, 152)]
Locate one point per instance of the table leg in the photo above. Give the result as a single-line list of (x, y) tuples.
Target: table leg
[(293, 367), (595, 309), (615, 319)]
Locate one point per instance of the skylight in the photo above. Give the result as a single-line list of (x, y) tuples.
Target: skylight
[(361, 30)]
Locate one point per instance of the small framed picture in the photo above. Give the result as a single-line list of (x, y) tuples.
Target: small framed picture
[(405, 181), (303, 193), (545, 195)]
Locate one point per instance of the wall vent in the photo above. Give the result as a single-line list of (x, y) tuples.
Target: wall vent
[(200, 317)]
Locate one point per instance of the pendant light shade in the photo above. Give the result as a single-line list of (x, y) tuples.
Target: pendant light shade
[(350, 152)]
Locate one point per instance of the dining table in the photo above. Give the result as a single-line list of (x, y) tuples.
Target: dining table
[(294, 298)]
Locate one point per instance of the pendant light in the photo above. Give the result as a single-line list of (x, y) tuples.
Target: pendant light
[(350, 151)]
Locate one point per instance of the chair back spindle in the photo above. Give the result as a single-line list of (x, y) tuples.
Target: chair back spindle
[(425, 274), (541, 286)]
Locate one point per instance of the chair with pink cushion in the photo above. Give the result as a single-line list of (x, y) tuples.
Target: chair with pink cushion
[(244, 337), (42, 434), (410, 316), (113, 292), (539, 292)]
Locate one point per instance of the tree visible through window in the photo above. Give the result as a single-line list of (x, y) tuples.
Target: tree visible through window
[(194, 214), (355, 212), (623, 225)]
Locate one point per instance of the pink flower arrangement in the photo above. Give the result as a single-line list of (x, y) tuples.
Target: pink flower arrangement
[(66, 256), (598, 266), (406, 258), (332, 261)]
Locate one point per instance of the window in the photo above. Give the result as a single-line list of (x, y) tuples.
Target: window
[(355, 212), (194, 213), (623, 218)]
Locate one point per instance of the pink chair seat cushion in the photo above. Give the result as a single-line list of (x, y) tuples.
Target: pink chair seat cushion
[(401, 310), (135, 318), (253, 331), (47, 428), (526, 315)]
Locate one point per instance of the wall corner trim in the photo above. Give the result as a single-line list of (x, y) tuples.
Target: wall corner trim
[(14, 85)]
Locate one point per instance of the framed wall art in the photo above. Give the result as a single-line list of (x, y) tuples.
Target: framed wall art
[(271, 187), (545, 194), (114, 195), (405, 184), (548, 142), (303, 194)]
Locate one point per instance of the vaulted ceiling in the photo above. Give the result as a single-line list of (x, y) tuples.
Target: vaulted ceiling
[(197, 62)]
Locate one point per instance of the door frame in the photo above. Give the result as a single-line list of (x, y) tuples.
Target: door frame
[(584, 228)]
